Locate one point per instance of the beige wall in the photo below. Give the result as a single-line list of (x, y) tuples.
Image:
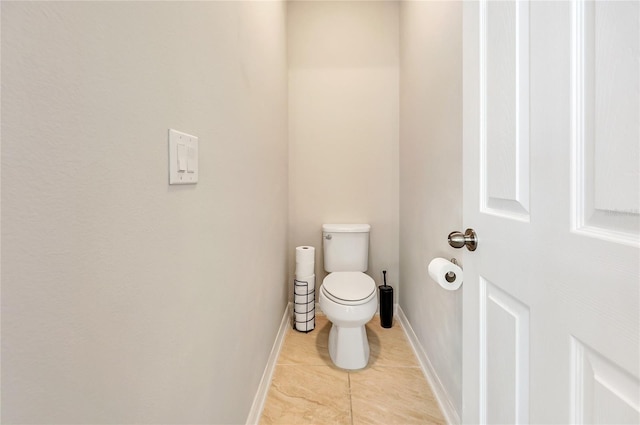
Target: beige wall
[(125, 300), (431, 180), (343, 125)]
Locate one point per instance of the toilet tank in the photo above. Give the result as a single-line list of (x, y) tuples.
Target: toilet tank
[(345, 247)]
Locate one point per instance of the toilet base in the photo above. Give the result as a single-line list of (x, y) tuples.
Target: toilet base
[(349, 347), (348, 344)]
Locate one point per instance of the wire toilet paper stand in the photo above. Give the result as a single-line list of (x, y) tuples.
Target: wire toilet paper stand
[(304, 307)]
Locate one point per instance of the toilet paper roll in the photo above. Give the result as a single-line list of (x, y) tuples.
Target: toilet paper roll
[(305, 254), (303, 303), (447, 274), (305, 268), (303, 324), (304, 285), (304, 316)]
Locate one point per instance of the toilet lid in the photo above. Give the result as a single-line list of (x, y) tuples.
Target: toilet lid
[(349, 287)]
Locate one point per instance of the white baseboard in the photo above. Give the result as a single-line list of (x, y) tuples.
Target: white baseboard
[(444, 401), (265, 382)]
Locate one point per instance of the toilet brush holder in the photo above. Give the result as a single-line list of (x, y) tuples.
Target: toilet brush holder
[(386, 306)]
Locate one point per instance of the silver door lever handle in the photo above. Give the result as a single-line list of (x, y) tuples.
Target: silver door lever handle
[(468, 239)]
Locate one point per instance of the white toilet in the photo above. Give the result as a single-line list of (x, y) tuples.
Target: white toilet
[(348, 297)]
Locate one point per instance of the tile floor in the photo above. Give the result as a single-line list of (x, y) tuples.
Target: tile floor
[(308, 389)]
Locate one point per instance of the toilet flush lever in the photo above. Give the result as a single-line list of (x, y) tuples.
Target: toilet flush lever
[(328, 237), (468, 239)]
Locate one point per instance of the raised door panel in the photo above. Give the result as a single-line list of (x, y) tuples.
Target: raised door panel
[(504, 357), (602, 392), (504, 109), (606, 107)]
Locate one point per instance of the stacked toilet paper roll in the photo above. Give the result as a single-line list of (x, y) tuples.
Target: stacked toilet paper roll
[(304, 289), (305, 261)]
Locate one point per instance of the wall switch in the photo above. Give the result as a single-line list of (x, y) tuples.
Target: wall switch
[(192, 160), (183, 158)]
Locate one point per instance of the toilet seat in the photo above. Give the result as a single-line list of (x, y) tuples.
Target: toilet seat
[(349, 288)]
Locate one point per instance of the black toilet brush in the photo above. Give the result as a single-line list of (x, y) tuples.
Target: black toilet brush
[(386, 303)]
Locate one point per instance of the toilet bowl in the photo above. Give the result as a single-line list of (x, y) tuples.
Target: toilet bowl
[(349, 300)]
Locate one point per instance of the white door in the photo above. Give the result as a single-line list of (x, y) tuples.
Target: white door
[(551, 186)]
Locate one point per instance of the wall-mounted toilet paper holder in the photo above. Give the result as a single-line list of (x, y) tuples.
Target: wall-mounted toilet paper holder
[(446, 273), (451, 276)]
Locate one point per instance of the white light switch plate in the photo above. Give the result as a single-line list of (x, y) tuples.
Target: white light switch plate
[(183, 158)]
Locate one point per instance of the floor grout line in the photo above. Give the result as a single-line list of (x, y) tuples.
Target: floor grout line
[(350, 398), (303, 353)]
